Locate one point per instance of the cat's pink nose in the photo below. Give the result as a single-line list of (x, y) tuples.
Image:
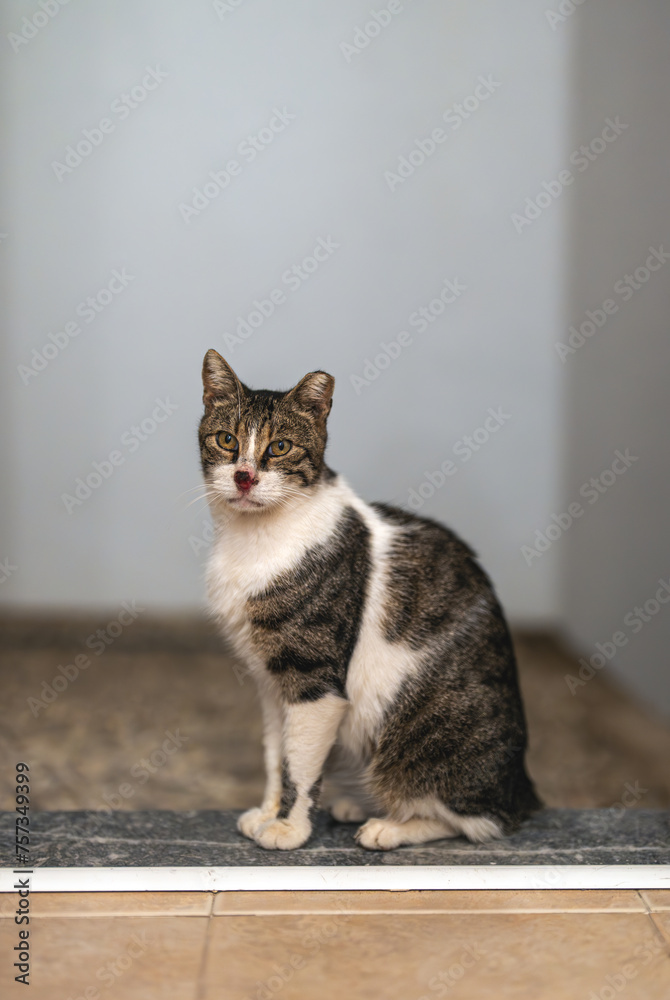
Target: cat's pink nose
[(244, 480)]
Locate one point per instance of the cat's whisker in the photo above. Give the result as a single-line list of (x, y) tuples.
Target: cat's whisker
[(208, 495), (192, 489), (201, 497), (204, 489), (202, 509)]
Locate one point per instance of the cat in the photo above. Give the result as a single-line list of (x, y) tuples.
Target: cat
[(381, 654)]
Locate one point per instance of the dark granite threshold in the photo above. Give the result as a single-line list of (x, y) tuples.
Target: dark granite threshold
[(209, 838)]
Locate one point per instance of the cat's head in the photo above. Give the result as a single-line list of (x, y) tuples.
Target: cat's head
[(260, 449)]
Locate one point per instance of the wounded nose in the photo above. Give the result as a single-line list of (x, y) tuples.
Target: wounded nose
[(244, 480)]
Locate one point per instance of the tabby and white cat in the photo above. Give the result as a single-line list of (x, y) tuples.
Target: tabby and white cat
[(381, 655)]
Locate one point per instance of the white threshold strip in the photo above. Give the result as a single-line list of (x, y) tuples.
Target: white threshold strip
[(390, 877)]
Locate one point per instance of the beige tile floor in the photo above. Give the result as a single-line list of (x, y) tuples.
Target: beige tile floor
[(558, 945)]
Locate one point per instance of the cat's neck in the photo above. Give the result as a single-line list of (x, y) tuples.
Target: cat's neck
[(252, 550), (310, 515)]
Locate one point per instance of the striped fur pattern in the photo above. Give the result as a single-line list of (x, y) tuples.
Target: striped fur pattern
[(384, 665)]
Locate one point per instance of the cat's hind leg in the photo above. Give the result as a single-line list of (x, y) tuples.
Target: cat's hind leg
[(432, 821), (345, 795), (385, 834), (347, 810)]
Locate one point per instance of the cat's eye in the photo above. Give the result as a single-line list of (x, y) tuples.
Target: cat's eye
[(279, 447), (227, 441)]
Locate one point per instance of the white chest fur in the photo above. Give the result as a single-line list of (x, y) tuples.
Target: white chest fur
[(251, 551)]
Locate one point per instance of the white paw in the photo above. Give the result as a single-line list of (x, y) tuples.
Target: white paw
[(283, 835), (379, 835), (252, 820), (347, 811)]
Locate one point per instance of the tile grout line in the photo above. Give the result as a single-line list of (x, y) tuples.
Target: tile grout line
[(318, 911), (200, 984), (658, 932), (421, 913), (645, 901)]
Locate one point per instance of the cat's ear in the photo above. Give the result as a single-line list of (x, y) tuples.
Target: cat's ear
[(314, 393), (218, 379)]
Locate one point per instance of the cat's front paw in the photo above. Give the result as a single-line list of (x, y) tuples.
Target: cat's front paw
[(283, 835), (251, 821)]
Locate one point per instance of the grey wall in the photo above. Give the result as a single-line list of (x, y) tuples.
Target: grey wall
[(616, 391), (323, 176)]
